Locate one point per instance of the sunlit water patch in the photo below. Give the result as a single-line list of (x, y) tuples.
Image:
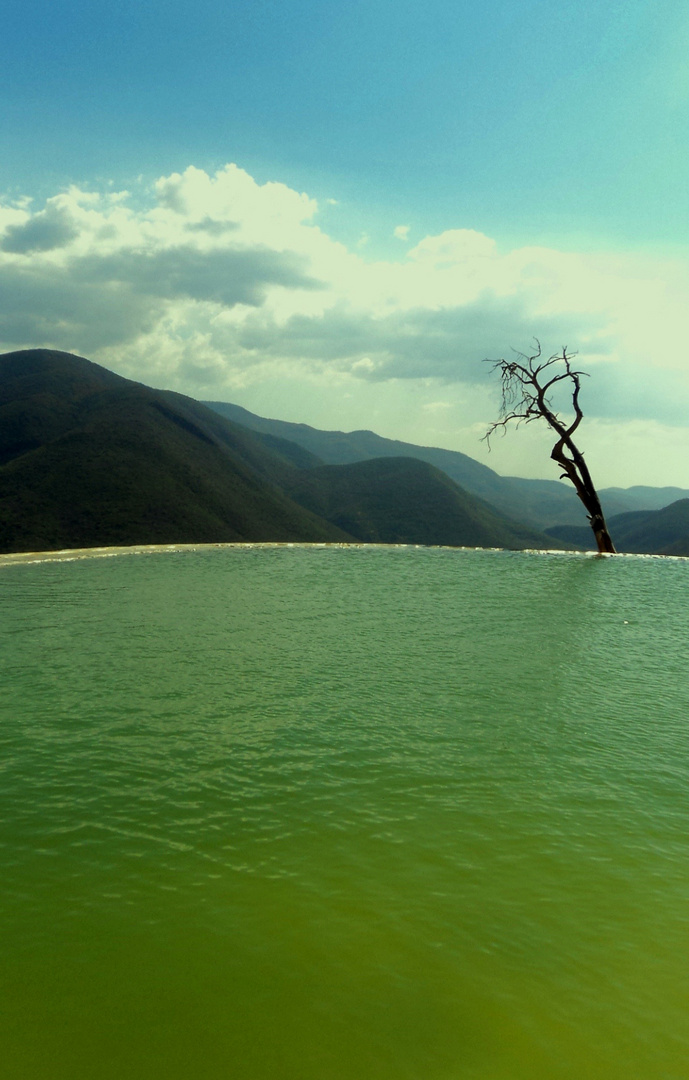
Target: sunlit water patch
[(345, 814)]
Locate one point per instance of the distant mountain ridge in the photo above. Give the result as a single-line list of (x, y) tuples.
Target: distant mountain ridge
[(540, 504), (89, 458)]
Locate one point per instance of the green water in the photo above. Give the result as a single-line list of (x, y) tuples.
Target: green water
[(345, 814)]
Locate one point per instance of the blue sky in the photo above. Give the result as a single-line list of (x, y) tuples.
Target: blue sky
[(444, 180)]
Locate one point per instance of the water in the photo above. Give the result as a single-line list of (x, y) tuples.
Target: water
[(345, 814)]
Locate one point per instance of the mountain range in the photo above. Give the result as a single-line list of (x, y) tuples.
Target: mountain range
[(541, 504), (89, 458)]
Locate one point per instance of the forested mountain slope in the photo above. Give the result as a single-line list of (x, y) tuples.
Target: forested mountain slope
[(88, 458)]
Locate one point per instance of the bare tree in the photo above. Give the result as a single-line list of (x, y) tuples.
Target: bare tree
[(527, 384)]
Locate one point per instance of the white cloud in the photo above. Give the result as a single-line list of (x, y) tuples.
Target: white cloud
[(364, 365), (214, 284), (452, 247), (401, 232)]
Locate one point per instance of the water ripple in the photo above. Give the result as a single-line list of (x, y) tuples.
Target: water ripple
[(345, 812)]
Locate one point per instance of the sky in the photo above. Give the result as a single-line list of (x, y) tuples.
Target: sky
[(334, 213)]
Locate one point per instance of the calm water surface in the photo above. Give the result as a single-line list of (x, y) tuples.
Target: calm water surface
[(345, 814)]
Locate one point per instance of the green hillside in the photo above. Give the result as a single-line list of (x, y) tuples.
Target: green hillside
[(347, 448), (89, 459), (406, 501)]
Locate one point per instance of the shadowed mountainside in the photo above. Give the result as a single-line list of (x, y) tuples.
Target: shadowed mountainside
[(406, 501), (88, 458)]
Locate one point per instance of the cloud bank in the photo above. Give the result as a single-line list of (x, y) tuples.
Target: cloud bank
[(212, 284)]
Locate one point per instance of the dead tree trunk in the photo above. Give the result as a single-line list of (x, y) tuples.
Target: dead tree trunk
[(526, 384), (576, 470)]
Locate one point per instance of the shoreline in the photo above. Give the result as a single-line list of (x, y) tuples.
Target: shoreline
[(10, 558), (27, 558)]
